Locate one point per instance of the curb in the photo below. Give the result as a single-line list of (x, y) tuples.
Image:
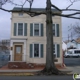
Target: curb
[(16, 74)]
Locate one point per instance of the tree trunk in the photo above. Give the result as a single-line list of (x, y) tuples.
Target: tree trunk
[(50, 67)]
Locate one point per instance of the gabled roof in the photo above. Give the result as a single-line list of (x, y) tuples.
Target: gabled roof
[(17, 9)]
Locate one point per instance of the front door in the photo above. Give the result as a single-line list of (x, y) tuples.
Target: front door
[(18, 53)]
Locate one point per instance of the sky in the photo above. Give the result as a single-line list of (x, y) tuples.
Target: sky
[(5, 22)]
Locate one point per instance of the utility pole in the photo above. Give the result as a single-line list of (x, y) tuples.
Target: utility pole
[(68, 37)]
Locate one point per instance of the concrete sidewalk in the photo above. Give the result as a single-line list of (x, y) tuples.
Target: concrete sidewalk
[(31, 70)]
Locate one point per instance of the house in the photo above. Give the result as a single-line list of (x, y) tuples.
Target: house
[(78, 43), (5, 45), (73, 44), (28, 37)]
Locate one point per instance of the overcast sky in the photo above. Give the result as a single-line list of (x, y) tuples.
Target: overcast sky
[(5, 22)]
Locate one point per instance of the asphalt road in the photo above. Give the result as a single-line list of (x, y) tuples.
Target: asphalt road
[(73, 64), (72, 61), (36, 78)]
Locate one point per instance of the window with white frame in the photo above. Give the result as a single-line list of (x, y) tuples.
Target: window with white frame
[(55, 50), (36, 29), (36, 50), (20, 29), (54, 29)]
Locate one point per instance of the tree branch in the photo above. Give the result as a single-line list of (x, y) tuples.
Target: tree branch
[(72, 2), (13, 3), (5, 10), (64, 15), (55, 7), (24, 3)]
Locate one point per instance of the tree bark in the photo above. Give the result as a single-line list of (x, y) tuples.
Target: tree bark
[(50, 67)]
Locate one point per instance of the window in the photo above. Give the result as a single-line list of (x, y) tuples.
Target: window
[(18, 50), (56, 51), (20, 14), (55, 30), (69, 52), (77, 51), (36, 29), (36, 50), (20, 29)]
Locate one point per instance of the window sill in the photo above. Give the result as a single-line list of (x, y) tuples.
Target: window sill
[(55, 60)]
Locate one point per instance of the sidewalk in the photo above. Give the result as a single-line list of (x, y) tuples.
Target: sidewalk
[(31, 70), (5, 71)]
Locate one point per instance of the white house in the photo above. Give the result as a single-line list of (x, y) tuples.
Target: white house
[(28, 37)]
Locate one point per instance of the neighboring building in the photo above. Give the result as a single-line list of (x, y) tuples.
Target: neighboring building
[(73, 44), (5, 45), (28, 37), (78, 43)]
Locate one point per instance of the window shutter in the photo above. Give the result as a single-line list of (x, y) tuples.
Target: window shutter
[(58, 50), (41, 50), (57, 26), (15, 29), (31, 50), (31, 29), (42, 30), (25, 29)]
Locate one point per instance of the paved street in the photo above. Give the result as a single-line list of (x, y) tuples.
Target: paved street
[(36, 78), (72, 61), (73, 64)]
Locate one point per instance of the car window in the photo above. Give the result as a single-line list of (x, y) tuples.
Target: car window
[(69, 52)]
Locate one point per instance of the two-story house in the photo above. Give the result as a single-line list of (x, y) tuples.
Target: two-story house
[(28, 37)]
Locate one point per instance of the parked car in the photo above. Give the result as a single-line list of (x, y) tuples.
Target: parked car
[(72, 53), (4, 56)]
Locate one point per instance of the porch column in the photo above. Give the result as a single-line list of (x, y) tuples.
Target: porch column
[(11, 51), (24, 51)]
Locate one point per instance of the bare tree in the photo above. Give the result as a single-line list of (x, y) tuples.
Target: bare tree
[(76, 29), (50, 65)]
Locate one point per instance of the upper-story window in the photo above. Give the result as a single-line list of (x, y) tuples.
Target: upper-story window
[(36, 29), (56, 30), (20, 29), (20, 14)]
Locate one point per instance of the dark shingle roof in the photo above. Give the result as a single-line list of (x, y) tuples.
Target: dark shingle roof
[(17, 9)]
